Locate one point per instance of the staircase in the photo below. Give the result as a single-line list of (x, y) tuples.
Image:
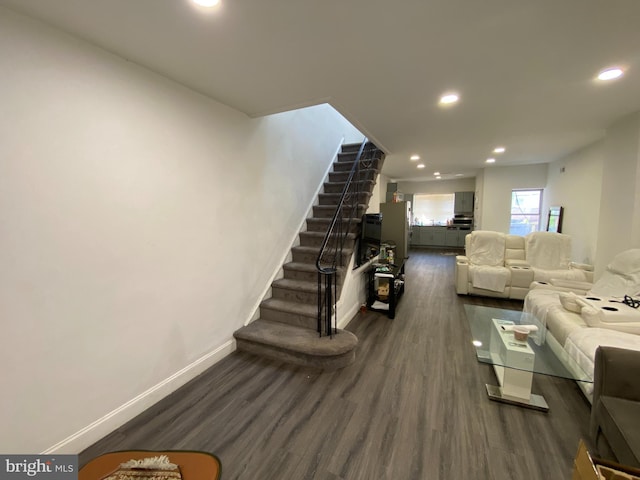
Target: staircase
[(287, 329)]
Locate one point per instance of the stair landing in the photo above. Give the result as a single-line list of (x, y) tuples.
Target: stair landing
[(300, 346)]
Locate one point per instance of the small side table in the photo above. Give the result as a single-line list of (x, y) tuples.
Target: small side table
[(387, 278)]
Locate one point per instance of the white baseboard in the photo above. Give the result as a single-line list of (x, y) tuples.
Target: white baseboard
[(90, 434)]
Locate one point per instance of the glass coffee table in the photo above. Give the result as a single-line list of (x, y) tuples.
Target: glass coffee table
[(514, 361)]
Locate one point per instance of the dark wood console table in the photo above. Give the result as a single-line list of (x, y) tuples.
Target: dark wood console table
[(385, 287)]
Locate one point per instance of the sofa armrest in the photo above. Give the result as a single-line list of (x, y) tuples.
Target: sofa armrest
[(462, 275), (586, 269), (579, 288), (616, 373), (462, 259), (616, 390), (582, 266), (571, 285), (558, 282)]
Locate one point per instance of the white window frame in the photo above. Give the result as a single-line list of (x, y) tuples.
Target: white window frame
[(519, 215)]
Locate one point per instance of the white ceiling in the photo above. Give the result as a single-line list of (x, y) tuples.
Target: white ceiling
[(524, 68)]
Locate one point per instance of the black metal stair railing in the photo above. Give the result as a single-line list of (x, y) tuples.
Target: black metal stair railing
[(331, 251)]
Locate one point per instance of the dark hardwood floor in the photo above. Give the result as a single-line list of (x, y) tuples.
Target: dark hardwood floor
[(412, 406)]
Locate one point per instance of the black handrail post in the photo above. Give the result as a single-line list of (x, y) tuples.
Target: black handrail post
[(328, 305), (319, 303), (335, 293)]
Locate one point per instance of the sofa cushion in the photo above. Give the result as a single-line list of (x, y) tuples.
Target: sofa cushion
[(626, 262), (487, 248), (622, 276), (612, 285), (619, 420), (495, 279), (549, 276), (514, 247), (542, 307), (548, 250), (568, 301)]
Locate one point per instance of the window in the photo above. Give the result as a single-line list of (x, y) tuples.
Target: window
[(434, 209), (525, 211)]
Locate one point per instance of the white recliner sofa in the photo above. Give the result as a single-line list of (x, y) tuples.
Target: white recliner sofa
[(578, 317), (501, 265), (548, 254)]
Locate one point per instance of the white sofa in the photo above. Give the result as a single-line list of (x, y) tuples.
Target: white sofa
[(501, 265), (582, 318)]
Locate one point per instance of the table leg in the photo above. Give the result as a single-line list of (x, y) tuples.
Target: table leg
[(515, 389)]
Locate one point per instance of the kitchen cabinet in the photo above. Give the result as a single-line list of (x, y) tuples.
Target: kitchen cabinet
[(418, 235), (462, 234), (435, 236), (428, 236), (438, 236), (451, 237), (415, 235), (463, 202)]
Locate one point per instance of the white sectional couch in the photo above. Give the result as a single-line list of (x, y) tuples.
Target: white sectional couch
[(501, 265), (581, 319)]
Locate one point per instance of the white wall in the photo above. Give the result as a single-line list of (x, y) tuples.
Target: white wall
[(141, 224), (575, 183), (379, 194), (619, 226), (479, 200), (497, 185), (353, 293)]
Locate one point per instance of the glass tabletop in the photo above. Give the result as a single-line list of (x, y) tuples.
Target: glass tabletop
[(494, 341)]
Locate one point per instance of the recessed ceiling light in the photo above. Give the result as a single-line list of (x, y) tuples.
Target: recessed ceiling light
[(449, 98), (438, 177), (421, 165), (610, 73), (499, 150), (414, 157), (491, 160), (459, 174), (206, 3), (436, 173)]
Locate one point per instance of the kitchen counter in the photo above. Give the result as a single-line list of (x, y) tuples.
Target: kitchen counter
[(439, 236)]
